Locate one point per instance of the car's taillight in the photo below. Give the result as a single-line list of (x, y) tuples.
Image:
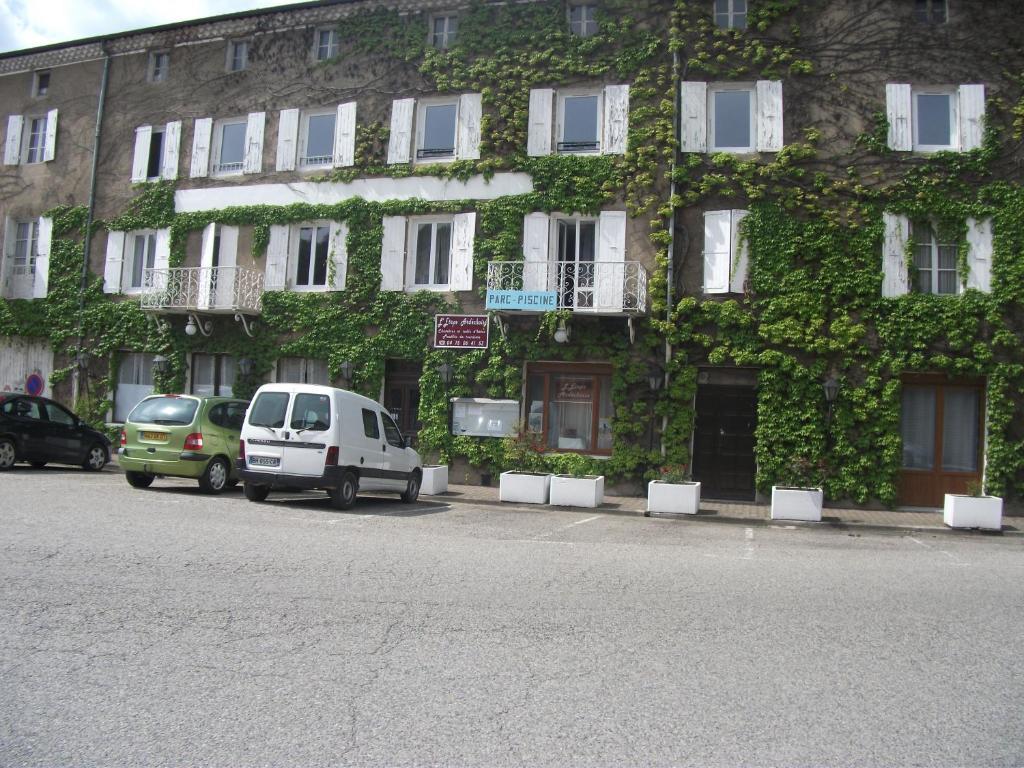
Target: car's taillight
[(241, 449), (332, 457), (124, 439), (194, 442)]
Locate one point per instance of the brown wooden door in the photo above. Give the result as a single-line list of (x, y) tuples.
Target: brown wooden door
[(723, 445), (402, 395), (941, 426)]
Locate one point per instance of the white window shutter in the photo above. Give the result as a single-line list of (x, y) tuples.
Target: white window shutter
[(979, 254), (895, 278), (610, 268), (345, 136), (538, 141), (769, 115), (253, 162), (277, 258), (162, 255), (339, 254), (140, 161), (172, 150), (693, 131), (463, 233), (8, 251), (206, 264), (12, 146), (50, 149), (616, 119), (468, 135), (227, 278), (114, 262), (400, 141), (287, 139), (537, 267), (392, 254), (44, 240), (717, 248), (898, 110), (227, 256), (203, 132), (972, 116), (739, 255)]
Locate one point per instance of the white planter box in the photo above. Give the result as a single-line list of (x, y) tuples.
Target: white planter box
[(568, 491), (524, 487), (673, 498), (797, 503), (973, 512), (435, 480)]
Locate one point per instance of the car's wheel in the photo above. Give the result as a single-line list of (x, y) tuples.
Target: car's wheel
[(138, 479), (255, 492), (7, 454), (344, 496), (412, 488), (37, 464), (215, 478), (95, 459)]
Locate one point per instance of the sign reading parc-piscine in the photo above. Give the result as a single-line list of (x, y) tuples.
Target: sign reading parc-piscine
[(523, 301)]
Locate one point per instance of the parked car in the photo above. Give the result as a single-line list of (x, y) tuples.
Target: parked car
[(314, 437), (39, 431), (182, 436)]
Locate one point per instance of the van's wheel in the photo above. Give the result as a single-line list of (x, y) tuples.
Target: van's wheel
[(95, 459), (255, 492), (215, 477), (138, 479), (344, 495), (412, 488)]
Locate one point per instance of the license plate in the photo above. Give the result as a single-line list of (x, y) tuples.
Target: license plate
[(160, 436), (264, 461)]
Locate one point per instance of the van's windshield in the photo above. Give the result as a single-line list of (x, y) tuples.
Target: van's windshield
[(269, 410)]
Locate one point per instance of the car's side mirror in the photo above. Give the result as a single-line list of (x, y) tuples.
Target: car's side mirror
[(407, 442)]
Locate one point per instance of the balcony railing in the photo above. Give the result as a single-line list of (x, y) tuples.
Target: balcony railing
[(598, 287), (203, 289)]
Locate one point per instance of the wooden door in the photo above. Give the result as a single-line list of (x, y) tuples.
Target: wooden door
[(723, 448), (402, 395)]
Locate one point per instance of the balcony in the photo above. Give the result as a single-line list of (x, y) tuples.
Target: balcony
[(594, 287), (212, 290)]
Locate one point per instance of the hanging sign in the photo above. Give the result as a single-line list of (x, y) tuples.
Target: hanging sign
[(461, 331), (522, 301)]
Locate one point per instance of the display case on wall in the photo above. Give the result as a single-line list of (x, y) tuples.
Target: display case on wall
[(483, 417)]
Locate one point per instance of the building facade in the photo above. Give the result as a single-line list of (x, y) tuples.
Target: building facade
[(774, 242)]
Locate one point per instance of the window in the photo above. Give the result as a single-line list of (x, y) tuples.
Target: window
[(134, 383), (731, 14), (443, 31), (35, 144), (228, 415), (579, 122), (725, 253), (269, 410), (935, 262), (238, 55), (213, 375), (570, 406), (431, 254), (392, 432), (316, 148), (159, 63), (583, 20), (312, 247), (326, 44), (435, 137), (301, 370), (576, 248), (40, 84), (311, 412), (930, 11), (732, 119), (934, 121), (58, 415), (140, 255), (935, 118), (229, 146), (23, 263), (154, 164), (23, 408), (371, 426)]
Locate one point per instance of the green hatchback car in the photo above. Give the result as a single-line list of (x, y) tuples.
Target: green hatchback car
[(183, 436)]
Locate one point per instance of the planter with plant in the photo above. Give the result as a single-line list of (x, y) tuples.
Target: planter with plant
[(528, 484), (577, 490), (973, 509), (672, 492), (797, 499)]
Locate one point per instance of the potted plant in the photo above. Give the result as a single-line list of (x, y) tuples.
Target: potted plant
[(435, 479), (577, 490), (798, 500), (672, 492), (528, 483), (973, 509)]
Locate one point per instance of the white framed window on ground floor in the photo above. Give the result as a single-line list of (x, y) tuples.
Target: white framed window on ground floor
[(134, 383), (302, 370), (570, 406), (213, 374)]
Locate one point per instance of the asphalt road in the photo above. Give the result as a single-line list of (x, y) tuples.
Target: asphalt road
[(162, 627)]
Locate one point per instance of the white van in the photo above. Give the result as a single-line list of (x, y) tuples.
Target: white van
[(308, 436)]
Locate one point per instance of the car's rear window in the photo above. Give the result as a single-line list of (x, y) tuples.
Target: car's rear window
[(164, 410), (269, 410), (312, 412)]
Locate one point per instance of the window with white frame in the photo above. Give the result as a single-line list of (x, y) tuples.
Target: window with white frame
[(159, 64), (140, 255), (238, 55), (316, 139), (35, 139), (430, 254), (583, 20), (229, 145), (575, 251), (444, 30), (935, 118), (326, 44), (935, 260), (18, 279), (934, 113), (931, 11), (731, 14), (731, 117), (134, 383), (579, 122), (302, 370), (213, 375), (154, 163), (725, 252), (40, 84), (435, 130), (312, 244)]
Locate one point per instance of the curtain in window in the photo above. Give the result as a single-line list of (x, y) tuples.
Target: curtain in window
[(960, 432), (918, 427)]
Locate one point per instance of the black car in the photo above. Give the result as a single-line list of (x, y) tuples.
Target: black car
[(38, 430)]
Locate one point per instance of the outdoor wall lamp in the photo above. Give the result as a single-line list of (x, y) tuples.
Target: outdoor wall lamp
[(194, 324), (161, 365), (347, 371), (562, 332), (831, 387), (446, 372), (655, 378), (246, 366)]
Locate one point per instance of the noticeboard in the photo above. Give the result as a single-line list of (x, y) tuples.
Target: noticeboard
[(483, 417), (461, 331)]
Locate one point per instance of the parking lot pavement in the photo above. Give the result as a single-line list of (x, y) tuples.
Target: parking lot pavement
[(163, 627)]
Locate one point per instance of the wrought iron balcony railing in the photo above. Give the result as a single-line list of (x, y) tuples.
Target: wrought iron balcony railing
[(597, 287), (203, 289)]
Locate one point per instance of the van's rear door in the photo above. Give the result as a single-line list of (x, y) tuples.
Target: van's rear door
[(304, 448), (265, 430)]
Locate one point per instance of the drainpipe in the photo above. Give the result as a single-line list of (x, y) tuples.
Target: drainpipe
[(671, 274), (87, 245)]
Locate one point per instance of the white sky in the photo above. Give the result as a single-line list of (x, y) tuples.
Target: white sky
[(29, 23)]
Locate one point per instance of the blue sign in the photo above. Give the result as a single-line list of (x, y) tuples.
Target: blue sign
[(523, 301), (34, 384)]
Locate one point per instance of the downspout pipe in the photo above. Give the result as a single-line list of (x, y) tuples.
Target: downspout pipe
[(671, 272), (87, 244)]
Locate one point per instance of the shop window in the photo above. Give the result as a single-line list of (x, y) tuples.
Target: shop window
[(570, 406)]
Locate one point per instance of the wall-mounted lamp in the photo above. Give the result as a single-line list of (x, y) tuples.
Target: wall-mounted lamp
[(347, 371), (246, 366), (195, 325), (161, 365), (831, 387), (82, 360), (562, 332), (655, 378), (446, 372)]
